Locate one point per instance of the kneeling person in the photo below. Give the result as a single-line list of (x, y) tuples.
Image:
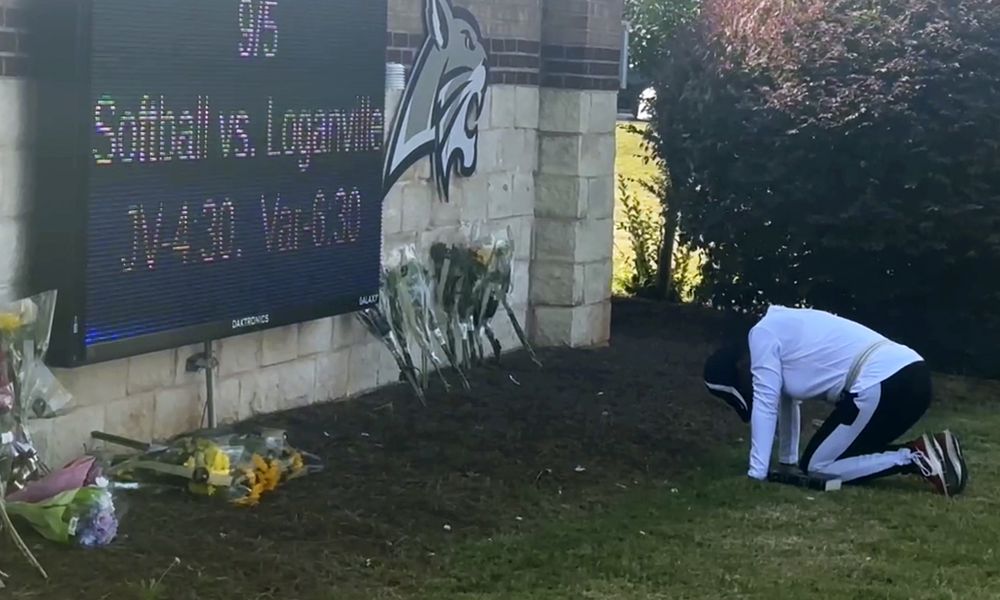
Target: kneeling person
[(879, 390)]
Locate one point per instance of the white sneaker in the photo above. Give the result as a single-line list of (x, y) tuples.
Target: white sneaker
[(929, 458)]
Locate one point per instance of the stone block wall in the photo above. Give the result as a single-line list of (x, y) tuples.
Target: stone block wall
[(15, 179), (15, 144), (545, 172), (574, 208)]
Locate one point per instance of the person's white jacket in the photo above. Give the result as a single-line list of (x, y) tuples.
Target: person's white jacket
[(806, 354)]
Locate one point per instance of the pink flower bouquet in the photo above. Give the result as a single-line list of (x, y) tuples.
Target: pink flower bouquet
[(81, 472)]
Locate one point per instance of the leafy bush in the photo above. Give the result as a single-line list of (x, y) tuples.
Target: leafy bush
[(652, 22), (645, 233), (844, 154), (644, 225)]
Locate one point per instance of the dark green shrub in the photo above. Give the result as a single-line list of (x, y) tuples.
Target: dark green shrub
[(844, 154)]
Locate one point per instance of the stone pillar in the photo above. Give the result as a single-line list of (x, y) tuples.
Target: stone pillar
[(16, 148), (574, 207)]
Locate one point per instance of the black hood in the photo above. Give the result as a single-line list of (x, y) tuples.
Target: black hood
[(723, 381)]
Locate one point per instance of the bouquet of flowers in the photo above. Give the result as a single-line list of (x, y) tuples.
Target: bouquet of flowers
[(392, 334), (28, 389), (448, 277), (237, 467), (25, 328), (255, 464), (474, 280), (449, 304), (71, 505), (82, 472), (486, 297), (499, 283), (408, 286), (470, 293), (458, 273), (82, 516)]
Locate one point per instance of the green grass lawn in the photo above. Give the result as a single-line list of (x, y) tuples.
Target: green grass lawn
[(629, 159), (717, 535), (629, 164), (608, 475)]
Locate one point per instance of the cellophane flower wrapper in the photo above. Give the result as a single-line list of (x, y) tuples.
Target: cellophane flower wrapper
[(28, 319), (25, 329), (250, 464), (385, 321), (266, 462), (489, 291), (446, 278), (377, 323), (498, 287), (14, 317), (450, 262), (12, 329), (25, 466), (470, 269), (84, 516), (82, 472), (411, 279), (171, 466), (7, 399), (483, 248), (41, 395), (397, 308), (44, 395)]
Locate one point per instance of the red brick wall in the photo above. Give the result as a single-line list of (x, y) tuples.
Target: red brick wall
[(573, 44)]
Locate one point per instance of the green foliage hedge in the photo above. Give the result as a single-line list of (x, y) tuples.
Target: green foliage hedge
[(844, 154)]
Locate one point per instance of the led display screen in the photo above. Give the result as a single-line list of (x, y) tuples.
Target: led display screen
[(230, 178)]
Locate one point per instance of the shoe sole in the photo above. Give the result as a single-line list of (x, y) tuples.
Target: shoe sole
[(953, 452)]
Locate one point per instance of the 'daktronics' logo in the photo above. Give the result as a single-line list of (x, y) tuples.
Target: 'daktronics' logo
[(253, 321)]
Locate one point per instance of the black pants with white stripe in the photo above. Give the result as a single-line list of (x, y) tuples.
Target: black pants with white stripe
[(856, 442)]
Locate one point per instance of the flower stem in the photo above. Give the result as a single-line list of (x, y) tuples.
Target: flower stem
[(15, 536)]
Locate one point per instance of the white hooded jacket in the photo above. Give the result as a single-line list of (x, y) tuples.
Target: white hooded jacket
[(806, 354)]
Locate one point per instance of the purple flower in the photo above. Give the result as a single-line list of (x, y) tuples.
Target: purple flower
[(96, 523), (99, 531)]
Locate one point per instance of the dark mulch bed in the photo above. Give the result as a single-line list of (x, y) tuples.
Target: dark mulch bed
[(402, 483)]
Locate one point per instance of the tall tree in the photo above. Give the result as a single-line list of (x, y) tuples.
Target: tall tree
[(653, 23)]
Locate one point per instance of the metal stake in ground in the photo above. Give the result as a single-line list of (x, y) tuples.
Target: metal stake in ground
[(207, 361)]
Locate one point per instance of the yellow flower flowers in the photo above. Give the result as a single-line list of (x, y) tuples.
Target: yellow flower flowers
[(213, 459), (262, 478), (298, 463), (268, 471), (239, 469), (483, 255), (255, 487), (10, 322)]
